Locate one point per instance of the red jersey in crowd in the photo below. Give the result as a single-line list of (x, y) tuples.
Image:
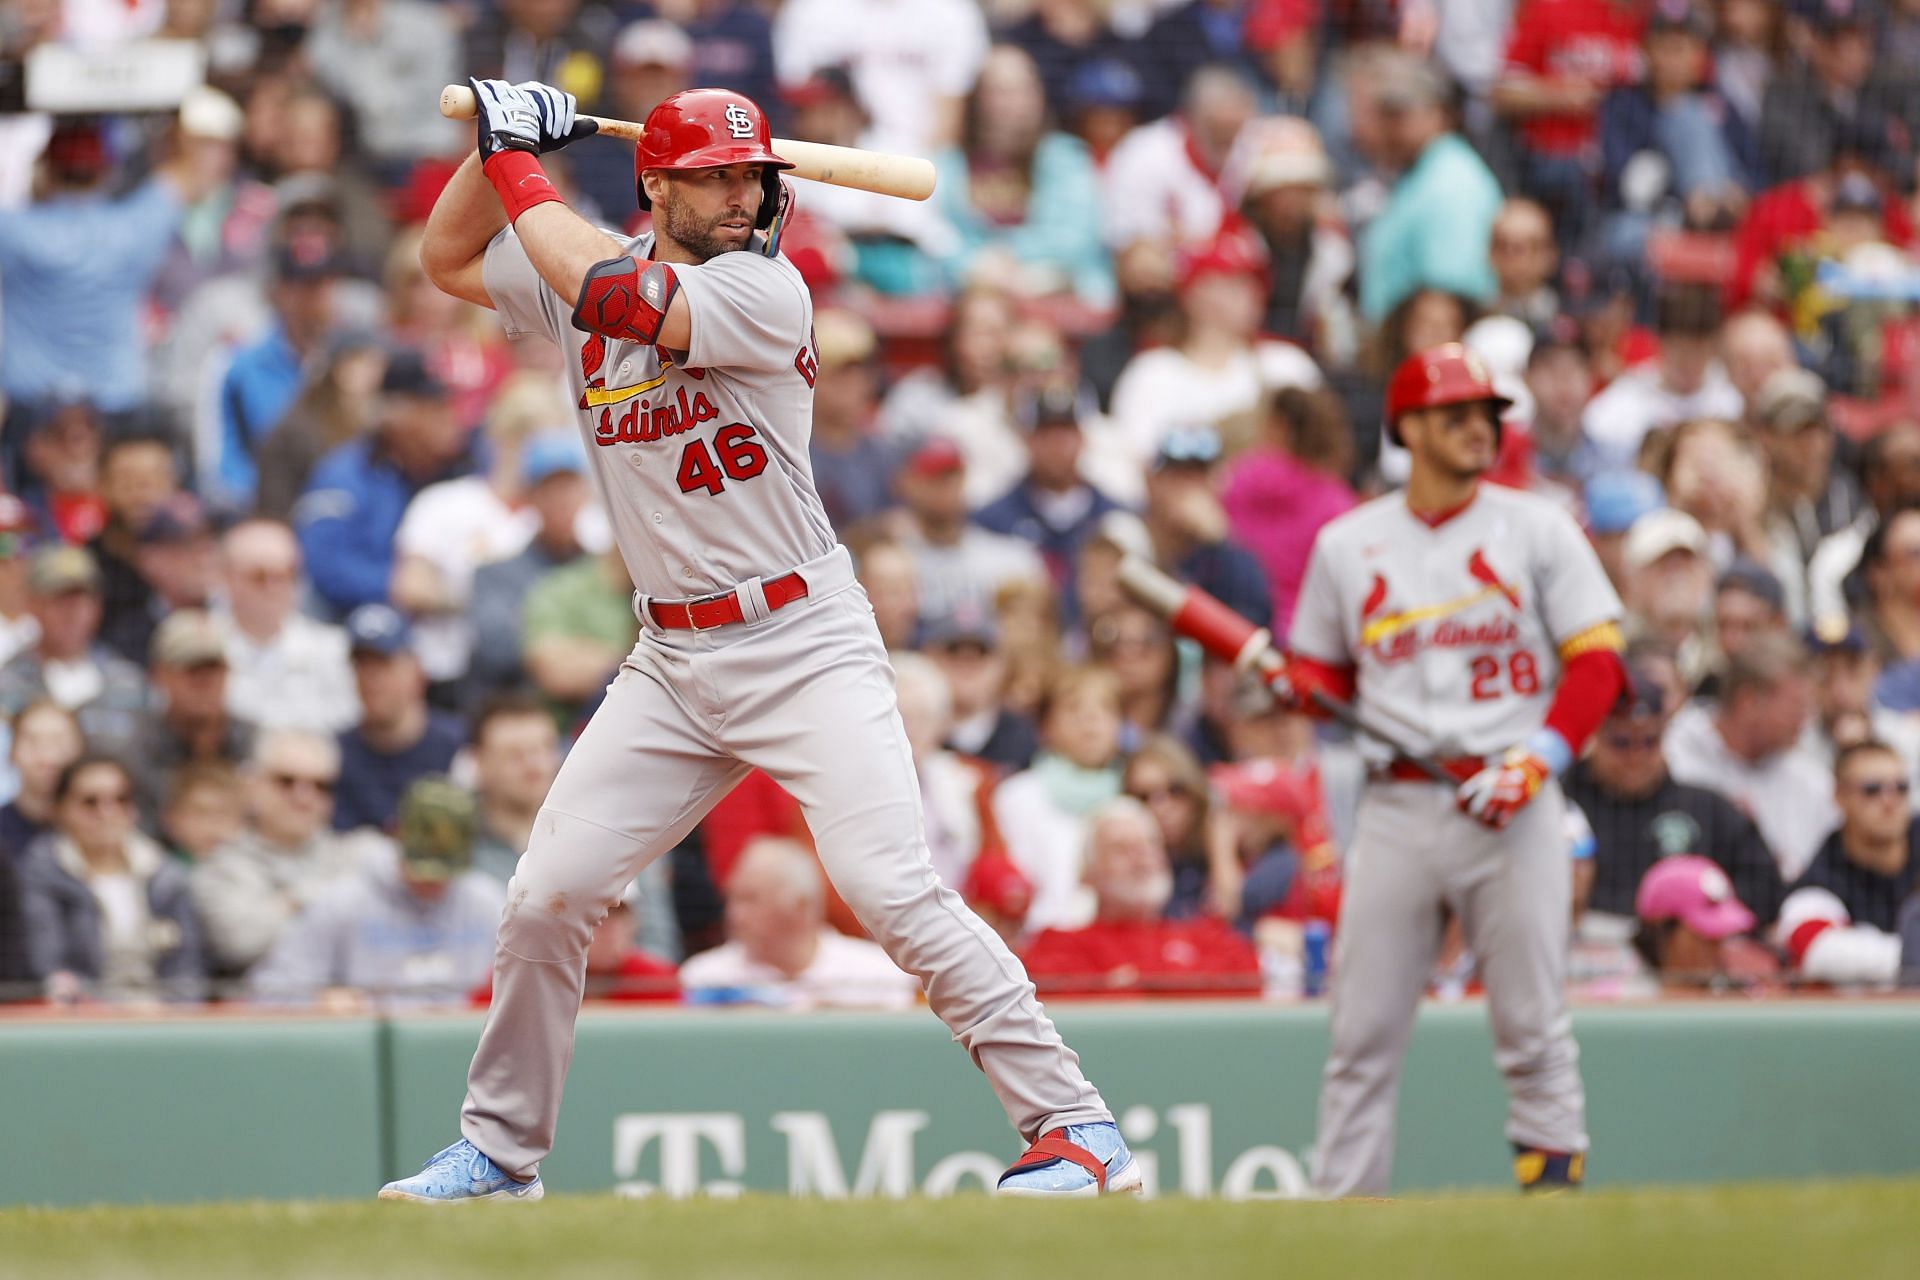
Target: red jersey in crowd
[(640, 977), (1593, 40), (1201, 957)]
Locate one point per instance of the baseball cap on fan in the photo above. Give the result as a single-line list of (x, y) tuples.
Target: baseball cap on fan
[(1616, 499), (189, 638), (378, 628), (652, 42), (435, 828), (551, 453), (1694, 891), (1661, 533), (936, 456)]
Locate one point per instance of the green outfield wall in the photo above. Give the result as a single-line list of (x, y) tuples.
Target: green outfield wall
[(1217, 1100)]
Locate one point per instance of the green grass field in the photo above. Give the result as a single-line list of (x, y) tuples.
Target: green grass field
[(1856, 1230)]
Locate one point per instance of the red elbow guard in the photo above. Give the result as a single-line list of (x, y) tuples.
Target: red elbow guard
[(626, 298)]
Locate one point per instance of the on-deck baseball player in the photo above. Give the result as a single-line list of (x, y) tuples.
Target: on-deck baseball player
[(693, 366), (1482, 614)]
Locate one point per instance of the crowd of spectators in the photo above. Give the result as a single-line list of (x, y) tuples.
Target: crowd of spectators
[(304, 591)]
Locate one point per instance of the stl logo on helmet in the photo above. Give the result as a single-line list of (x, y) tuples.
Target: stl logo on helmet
[(739, 123)]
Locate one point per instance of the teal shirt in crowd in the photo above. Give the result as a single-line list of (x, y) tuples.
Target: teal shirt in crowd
[(1061, 229), (1434, 232)]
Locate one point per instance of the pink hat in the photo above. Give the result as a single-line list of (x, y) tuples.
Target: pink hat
[(1697, 893)]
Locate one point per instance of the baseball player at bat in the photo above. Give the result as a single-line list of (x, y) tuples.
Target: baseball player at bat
[(1482, 614), (692, 363)]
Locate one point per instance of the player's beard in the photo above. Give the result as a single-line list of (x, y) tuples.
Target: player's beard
[(699, 236)]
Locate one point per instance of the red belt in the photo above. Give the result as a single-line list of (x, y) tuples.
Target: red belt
[(1459, 768), (718, 610)]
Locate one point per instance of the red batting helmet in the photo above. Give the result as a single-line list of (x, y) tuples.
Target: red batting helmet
[(1448, 374), (705, 129)]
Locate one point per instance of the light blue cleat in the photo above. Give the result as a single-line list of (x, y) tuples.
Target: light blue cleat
[(1080, 1160), (460, 1174)]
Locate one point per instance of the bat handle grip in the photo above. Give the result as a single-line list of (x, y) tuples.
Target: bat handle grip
[(457, 102)]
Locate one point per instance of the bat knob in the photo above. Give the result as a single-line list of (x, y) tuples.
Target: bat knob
[(457, 102)]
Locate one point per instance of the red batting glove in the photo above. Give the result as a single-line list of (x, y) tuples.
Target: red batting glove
[(1493, 795)]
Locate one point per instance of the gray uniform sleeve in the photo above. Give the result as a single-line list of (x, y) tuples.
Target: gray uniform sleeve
[(749, 312), (526, 303), (1575, 594), (1316, 631)]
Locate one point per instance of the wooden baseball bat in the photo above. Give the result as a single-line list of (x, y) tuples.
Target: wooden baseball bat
[(1202, 618), (909, 177)]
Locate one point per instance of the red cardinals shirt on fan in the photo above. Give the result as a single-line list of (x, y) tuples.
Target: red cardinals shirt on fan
[(1454, 626), (702, 462)]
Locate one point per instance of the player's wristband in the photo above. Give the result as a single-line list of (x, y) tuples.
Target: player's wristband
[(519, 181), (1552, 749)]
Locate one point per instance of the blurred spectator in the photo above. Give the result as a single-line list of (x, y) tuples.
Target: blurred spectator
[(732, 45), (779, 950), (336, 405), (1277, 857), (67, 662), (1162, 180), (61, 473), (1717, 474), (202, 810), (1165, 777), (1671, 149), (516, 753), (1562, 58), (313, 160), (1890, 478), (399, 737), (18, 628), (1149, 315), (285, 670), (358, 494), (1754, 346), (454, 526), (1189, 38), (1525, 259), (1746, 748), (967, 399), (225, 227), (1130, 946), (557, 42), (1615, 501), (1219, 366), (461, 343), (1891, 560), (1559, 378), (1848, 707), (179, 563), (1043, 810), (956, 562), (76, 264), (1000, 894), (1745, 45), (1840, 921), (553, 473), (1053, 507), (137, 479), (1278, 493), (1641, 815), (577, 626), (1438, 221), (383, 58), (852, 466), (1691, 927), (1747, 604), (264, 378), (45, 739), (107, 911), (1810, 498), (418, 926), (255, 884), (189, 723), (1190, 531), (911, 63), (621, 968), (1277, 178), (1065, 39), (965, 644), (1833, 92), (1133, 643), (651, 59), (955, 790), (1024, 198), (1687, 383), (886, 573)]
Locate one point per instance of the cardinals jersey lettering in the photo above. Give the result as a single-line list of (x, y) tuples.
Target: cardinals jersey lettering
[(1456, 627), (700, 456)]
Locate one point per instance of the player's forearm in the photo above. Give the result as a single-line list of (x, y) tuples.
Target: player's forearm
[(462, 223), (563, 246)]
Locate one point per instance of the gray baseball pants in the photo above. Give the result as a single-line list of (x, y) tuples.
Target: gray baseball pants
[(1413, 851), (805, 693)]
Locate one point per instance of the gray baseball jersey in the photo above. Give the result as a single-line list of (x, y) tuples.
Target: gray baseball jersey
[(1454, 630), (701, 458)]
